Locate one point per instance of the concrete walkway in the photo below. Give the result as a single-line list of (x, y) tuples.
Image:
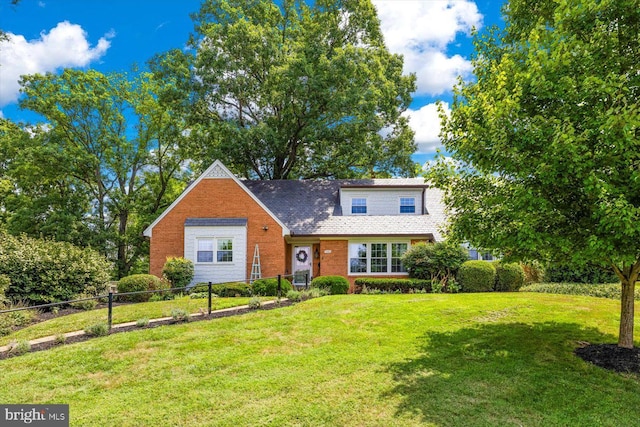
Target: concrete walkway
[(127, 324)]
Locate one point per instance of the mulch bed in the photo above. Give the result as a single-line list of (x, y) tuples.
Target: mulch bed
[(80, 338), (611, 357)]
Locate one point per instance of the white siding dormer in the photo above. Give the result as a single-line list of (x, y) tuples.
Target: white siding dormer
[(217, 248), (382, 201)]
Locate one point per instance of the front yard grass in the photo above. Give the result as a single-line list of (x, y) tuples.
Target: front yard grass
[(121, 314), (495, 359)]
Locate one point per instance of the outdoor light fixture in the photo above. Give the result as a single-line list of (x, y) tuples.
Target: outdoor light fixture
[(316, 254), (265, 227)]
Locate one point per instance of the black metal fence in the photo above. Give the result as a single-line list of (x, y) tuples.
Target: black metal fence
[(113, 294)]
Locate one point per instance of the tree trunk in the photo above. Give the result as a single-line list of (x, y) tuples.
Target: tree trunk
[(625, 338), (121, 262)]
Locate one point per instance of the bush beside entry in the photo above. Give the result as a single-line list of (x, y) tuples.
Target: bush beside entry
[(138, 283), (334, 284), (269, 287), (477, 276)]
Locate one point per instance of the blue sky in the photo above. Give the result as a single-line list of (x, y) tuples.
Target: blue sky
[(112, 35)]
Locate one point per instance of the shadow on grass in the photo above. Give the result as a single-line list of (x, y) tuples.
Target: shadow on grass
[(513, 374)]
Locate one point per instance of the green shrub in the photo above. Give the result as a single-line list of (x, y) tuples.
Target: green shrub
[(607, 290), (60, 339), (334, 284), (269, 287), (178, 272), (294, 296), (180, 315), (15, 319), (224, 290), (201, 295), (87, 304), (254, 303), (141, 323), (139, 283), (390, 284), (509, 277), (97, 330), (42, 271), (438, 261), (19, 348), (5, 282), (559, 273), (477, 276)]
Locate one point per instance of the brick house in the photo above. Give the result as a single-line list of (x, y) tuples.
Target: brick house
[(351, 228)]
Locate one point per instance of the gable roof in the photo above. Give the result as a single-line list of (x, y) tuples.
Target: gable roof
[(216, 170), (312, 208)]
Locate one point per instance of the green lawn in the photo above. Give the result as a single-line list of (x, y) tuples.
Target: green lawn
[(121, 314), (354, 360)]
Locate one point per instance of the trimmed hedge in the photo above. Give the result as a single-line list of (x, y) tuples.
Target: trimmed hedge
[(178, 271), (224, 290), (391, 285), (42, 271), (477, 276), (334, 284), (509, 277), (607, 290), (556, 273), (269, 287), (138, 283)]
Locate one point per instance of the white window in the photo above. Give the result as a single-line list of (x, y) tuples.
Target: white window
[(397, 250), (377, 257), (407, 205), (358, 258), (359, 205), (205, 250), (223, 248)]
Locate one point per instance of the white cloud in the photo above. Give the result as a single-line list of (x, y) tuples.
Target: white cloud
[(425, 122), (421, 31), (65, 45)]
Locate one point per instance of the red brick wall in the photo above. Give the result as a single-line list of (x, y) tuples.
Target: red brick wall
[(220, 198)]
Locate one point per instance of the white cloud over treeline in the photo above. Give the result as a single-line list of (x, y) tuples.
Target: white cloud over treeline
[(65, 45)]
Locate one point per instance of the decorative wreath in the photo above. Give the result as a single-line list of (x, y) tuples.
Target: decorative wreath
[(302, 256)]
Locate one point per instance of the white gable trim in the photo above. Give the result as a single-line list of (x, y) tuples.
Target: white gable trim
[(217, 170)]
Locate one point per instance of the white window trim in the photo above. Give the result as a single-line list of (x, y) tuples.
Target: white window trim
[(415, 206), (215, 240), (369, 243), (366, 205)]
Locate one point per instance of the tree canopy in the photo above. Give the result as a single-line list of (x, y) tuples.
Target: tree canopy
[(298, 89), (105, 164), (545, 141)]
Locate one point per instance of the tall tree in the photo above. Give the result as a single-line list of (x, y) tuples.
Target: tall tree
[(110, 150), (546, 140), (296, 90)]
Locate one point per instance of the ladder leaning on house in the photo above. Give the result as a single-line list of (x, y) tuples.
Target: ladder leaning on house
[(256, 272)]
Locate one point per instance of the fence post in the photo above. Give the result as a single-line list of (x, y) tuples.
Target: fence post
[(306, 281), (279, 286), (209, 299), (110, 311)]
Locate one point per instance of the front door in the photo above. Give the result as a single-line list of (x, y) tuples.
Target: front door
[(301, 264)]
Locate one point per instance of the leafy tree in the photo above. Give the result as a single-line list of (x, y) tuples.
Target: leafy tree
[(546, 140), (106, 163), (296, 90)]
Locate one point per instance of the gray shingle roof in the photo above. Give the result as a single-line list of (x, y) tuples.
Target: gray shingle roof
[(214, 222), (313, 208)]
